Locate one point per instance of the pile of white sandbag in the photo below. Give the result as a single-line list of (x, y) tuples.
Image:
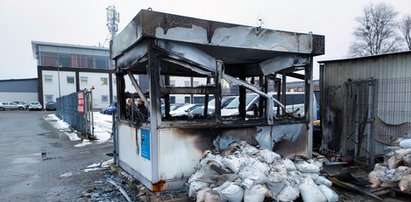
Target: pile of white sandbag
[(395, 171), (245, 173)]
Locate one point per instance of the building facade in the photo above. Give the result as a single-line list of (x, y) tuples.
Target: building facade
[(63, 69), (19, 90)]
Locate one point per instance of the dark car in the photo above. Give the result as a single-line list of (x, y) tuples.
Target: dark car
[(111, 109), (51, 106)]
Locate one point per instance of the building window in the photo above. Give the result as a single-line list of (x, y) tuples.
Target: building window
[(196, 83), (172, 99), (48, 78), (83, 79), (172, 83), (186, 99), (90, 62), (48, 98), (187, 83), (70, 79), (101, 62), (104, 98), (64, 60), (103, 80)]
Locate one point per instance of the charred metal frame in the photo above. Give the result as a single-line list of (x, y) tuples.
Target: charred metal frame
[(162, 45)]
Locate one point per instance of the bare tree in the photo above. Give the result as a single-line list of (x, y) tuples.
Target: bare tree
[(405, 29), (376, 32)]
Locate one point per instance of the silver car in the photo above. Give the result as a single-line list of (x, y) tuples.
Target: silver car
[(10, 106), (35, 105)]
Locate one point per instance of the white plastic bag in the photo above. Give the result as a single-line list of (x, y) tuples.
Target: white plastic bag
[(328, 193), (289, 165), (289, 193), (407, 160), (322, 180), (255, 194), (315, 162), (208, 156), (197, 175), (201, 194), (405, 183), (400, 153), (406, 144), (212, 196), (374, 179), (235, 163), (305, 167), (230, 192), (196, 186), (248, 149), (253, 173), (393, 162), (279, 167), (268, 156), (310, 192)]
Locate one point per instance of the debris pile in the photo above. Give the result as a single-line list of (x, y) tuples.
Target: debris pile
[(395, 171), (245, 173)]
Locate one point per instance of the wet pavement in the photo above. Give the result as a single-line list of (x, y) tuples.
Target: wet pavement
[(39, 163)]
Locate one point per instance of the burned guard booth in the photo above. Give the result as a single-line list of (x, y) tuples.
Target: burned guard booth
[(162, 151)]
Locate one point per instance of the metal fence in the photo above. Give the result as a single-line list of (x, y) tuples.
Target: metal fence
[(67, 109), (377, 114)]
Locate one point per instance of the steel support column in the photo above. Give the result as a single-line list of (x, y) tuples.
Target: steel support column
[(309, 93), (153, 70)]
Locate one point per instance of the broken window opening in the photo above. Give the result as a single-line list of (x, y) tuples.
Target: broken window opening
[(133, 104)]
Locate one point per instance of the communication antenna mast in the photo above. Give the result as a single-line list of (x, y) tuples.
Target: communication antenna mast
[(113, 18)]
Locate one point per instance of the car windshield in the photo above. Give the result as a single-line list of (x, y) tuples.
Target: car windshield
[(224, 101), (236, 102)]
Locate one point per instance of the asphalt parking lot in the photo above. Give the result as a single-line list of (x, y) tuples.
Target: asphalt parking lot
[(39, 163)]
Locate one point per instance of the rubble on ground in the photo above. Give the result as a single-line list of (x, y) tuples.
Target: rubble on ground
[(395, 171), (244, 173)]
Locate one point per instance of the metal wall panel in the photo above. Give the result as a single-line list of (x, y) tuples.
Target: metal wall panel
[(393, 75)]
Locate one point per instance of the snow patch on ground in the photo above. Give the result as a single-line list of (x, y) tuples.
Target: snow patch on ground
[(83, 143), (102, 128), (72, 136), (65, 175), (99, 166)]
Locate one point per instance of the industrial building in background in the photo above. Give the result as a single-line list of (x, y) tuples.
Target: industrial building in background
[(162, 46), (24, 90), (63, 69)]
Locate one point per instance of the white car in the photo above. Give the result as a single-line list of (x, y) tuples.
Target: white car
[(10, 106), (35, 105), (184, 110)]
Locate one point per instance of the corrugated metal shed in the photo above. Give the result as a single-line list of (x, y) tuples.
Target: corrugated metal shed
[(19, 85), (345, 86)]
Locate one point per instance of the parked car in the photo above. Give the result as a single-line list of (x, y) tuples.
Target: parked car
[(232, 108), (26, 105), (10, 106), (184, 110), (35, 105), (211, 106), (172, 107), (51, 106), (111, 109)]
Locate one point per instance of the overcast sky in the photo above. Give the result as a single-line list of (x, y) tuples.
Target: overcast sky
[(83, 22)]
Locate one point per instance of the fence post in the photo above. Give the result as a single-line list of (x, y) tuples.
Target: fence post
[(370, 122)]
